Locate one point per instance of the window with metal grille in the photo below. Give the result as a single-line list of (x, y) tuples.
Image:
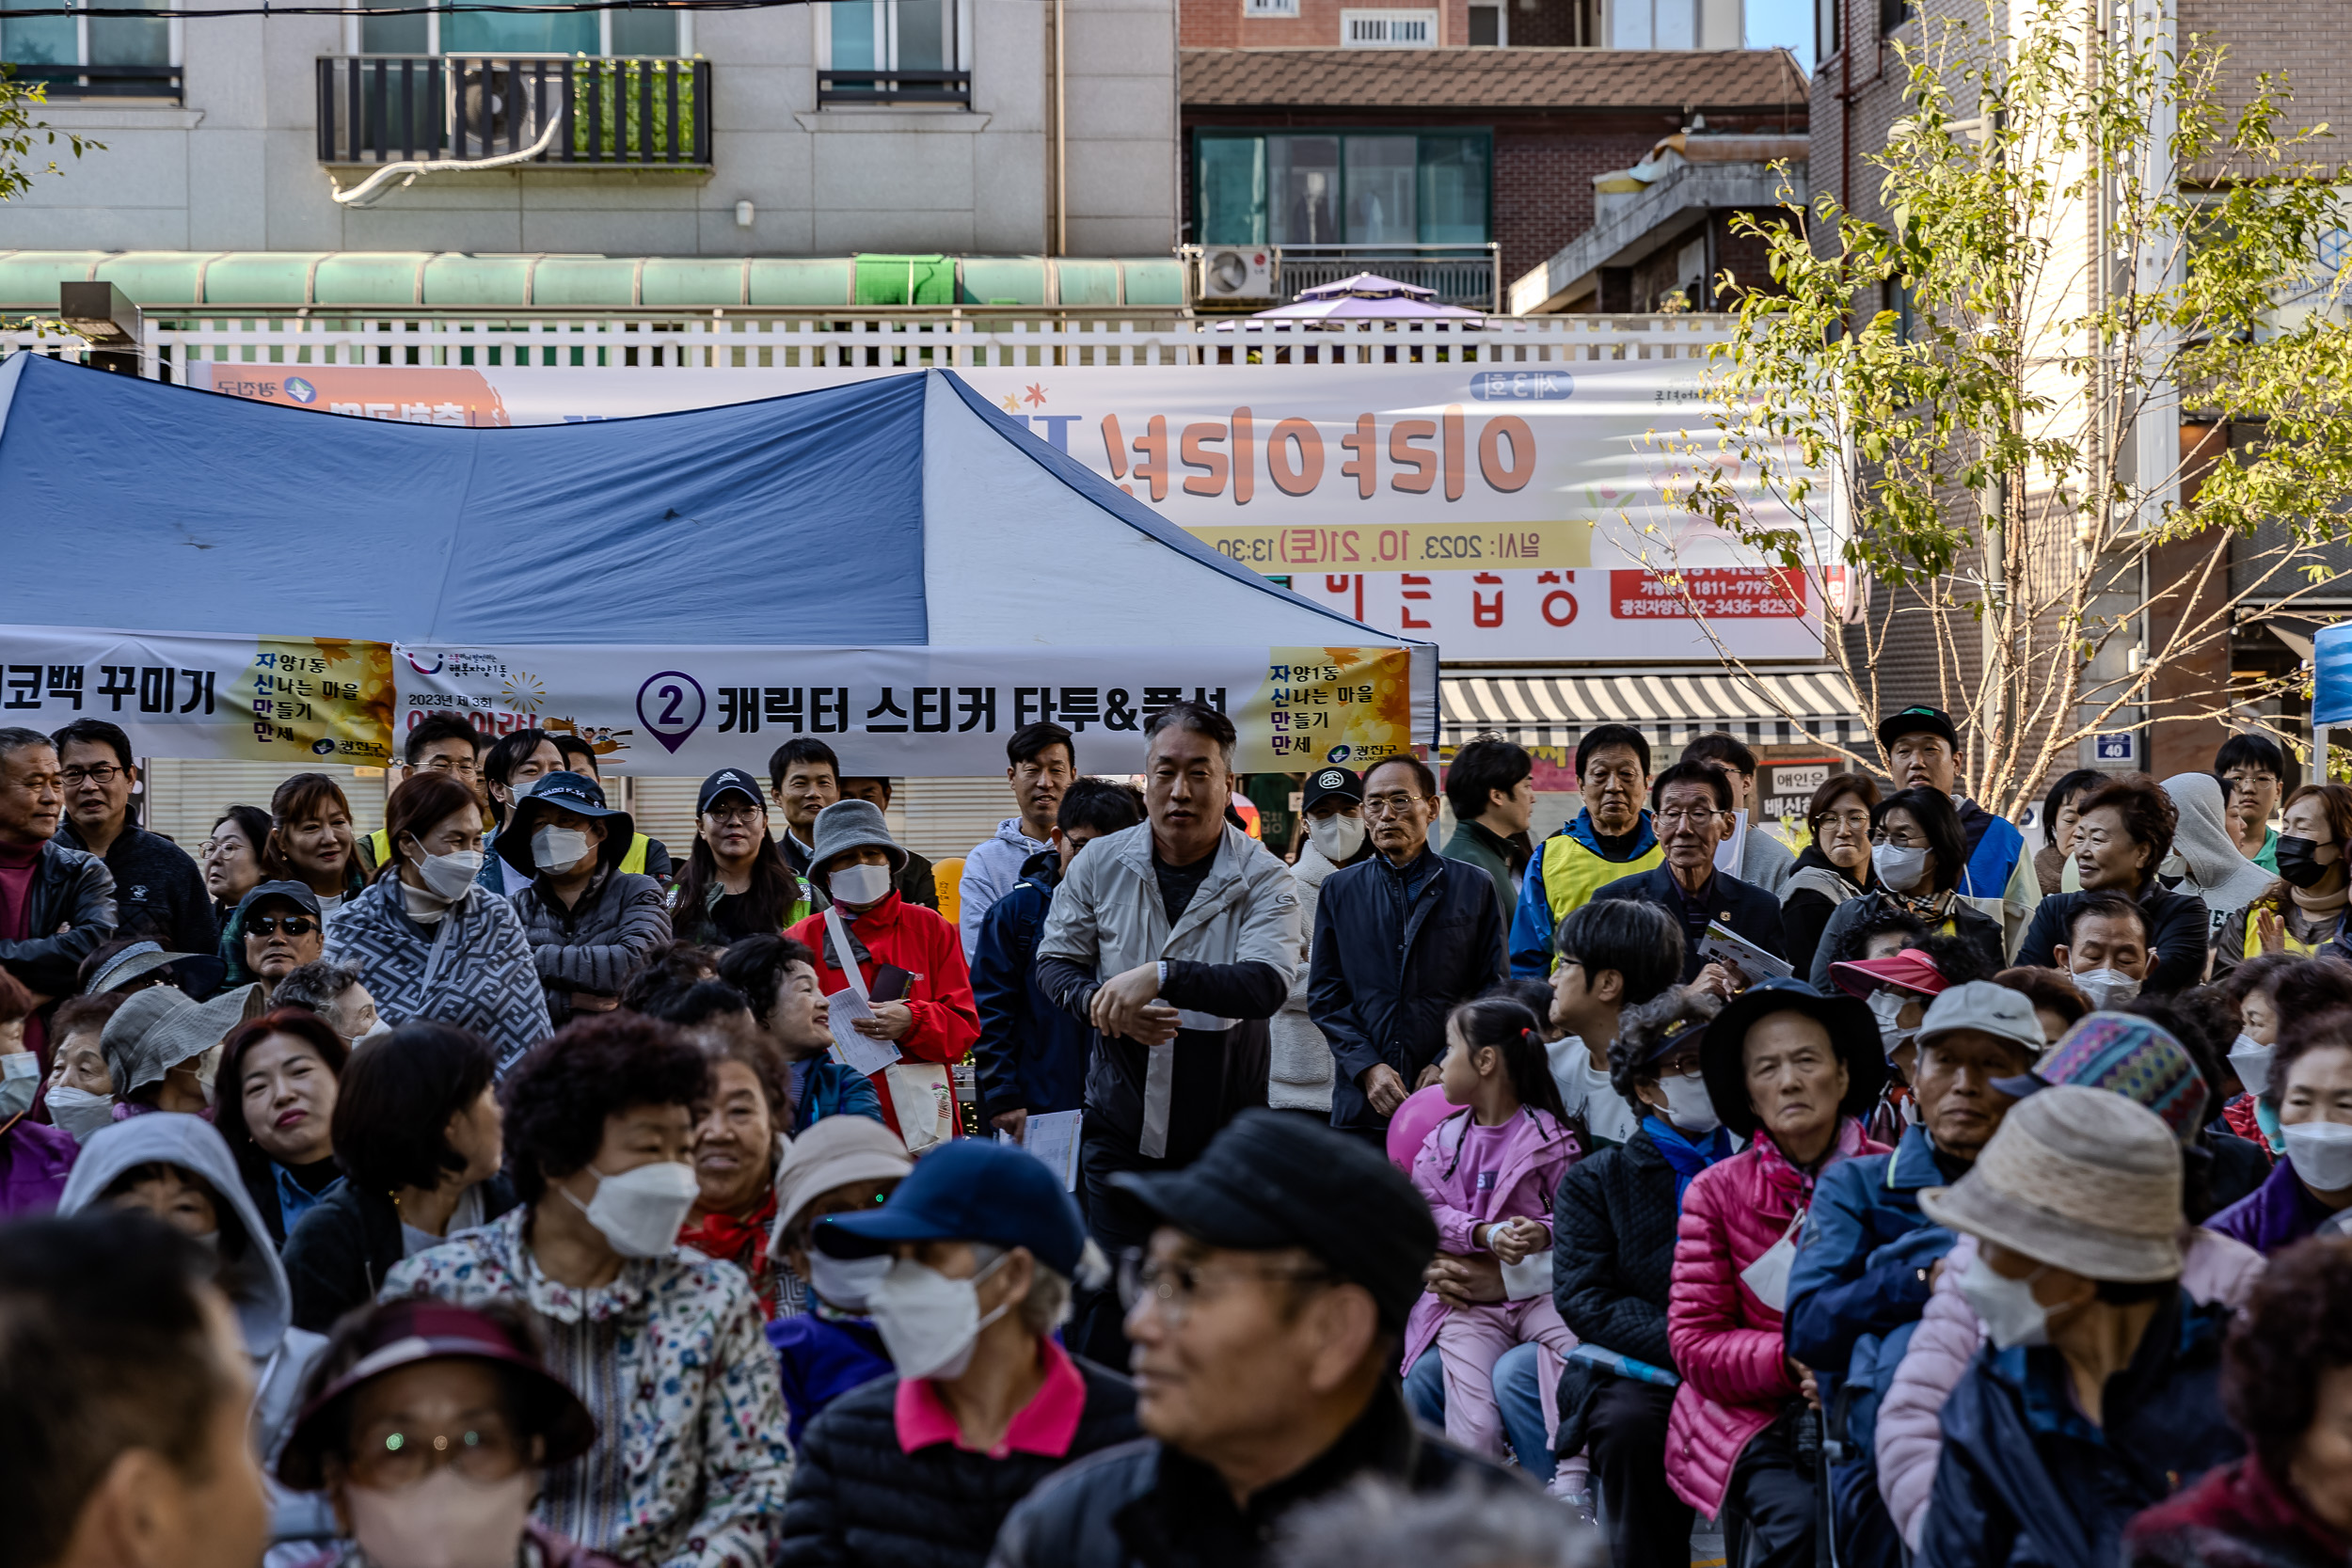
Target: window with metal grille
[(1388, 30)]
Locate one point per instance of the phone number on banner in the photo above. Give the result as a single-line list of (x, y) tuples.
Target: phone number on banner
[(1405, 546)]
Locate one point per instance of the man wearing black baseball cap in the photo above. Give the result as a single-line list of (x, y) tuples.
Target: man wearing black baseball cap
[(1265, 1318), (588, 922), (1922, 751)]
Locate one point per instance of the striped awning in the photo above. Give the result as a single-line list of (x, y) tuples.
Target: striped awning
[(1669, 706)]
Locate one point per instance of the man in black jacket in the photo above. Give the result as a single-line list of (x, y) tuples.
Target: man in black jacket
[(159, 893), (1400, 940), (1265, 1318), (1692, 803), (57, 903)]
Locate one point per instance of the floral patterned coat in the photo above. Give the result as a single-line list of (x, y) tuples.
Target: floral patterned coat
[(690, 1463)]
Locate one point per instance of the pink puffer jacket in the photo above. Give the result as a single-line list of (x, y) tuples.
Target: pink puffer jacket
[(1910, 1437), (1728, 1343)]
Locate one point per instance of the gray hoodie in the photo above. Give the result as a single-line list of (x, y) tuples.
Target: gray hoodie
[(254, 1283)]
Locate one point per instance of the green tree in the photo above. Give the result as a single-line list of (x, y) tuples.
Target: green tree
[(1964, 423), (21, 133)]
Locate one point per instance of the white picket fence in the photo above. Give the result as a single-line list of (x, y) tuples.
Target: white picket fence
[(723, 339)]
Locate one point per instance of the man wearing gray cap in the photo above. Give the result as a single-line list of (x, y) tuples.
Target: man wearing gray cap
[(1266, 1317), (2099, 1395)]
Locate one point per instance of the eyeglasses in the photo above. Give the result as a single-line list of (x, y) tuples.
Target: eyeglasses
[(270, 924), (1176, 1288), (1675, 817), (221, 846), (731, 815), (443, 765), (102, 775), (1859, 821), (1397, 804), (390, 1460)]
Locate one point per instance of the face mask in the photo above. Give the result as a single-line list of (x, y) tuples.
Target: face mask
[(558, 849), (929, 1322), (859, 884), (2296, 866), (1336, 837), (2107, 987), (78, 1111), (20, 1084), (1886, 1006), (378, 1028), (443, 1521), (2321, 1152), (846, 1282), (2250, 1060), (638, 1210), (207, 1069), (2005, 1307), (1900, 868), (208, 1240), (1687, 1103), (449, 876)]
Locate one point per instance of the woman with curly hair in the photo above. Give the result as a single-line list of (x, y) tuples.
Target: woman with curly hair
[(663, 1345), (2286, 1384)]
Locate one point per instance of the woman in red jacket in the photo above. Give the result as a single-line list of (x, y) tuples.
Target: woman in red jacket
[(1792, 1071), (934, 1018)]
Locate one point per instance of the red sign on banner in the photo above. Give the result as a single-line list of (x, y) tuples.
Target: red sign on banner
[(1744, 593)]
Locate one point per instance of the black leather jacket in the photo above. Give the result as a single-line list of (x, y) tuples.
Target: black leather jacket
[(73, 889)]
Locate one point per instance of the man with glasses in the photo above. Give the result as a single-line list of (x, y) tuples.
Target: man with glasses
[(159, 893), (440, 743), (57, 903), (1399, 939), (1691, 802), (2253, 774), (1266, 1313)]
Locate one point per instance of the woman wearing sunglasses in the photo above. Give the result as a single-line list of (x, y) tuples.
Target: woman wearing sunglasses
[(428, 1427)]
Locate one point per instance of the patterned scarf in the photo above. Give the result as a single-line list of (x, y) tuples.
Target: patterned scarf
[(741, 1241)]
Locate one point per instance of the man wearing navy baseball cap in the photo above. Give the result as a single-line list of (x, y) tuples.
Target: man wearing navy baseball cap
[(972, 1258)]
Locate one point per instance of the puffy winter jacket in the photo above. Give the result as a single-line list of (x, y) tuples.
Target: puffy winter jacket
[(2027, 1481), (596, 944), (1391, 957), (1030, 1055), (1300, 1079), (1910, 1435), (1612, 1254), (1536, 1152), (920, 941), (1726, 1342), (70, 888), (1860, 1265), (859, 1499)]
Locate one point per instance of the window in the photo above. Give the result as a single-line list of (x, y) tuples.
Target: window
[(461, 29), (1388, 30), (96, 57), (1893, 14), (1400, 188), (1489, 28), (894, 52), (1270, 7), (1828, 28)]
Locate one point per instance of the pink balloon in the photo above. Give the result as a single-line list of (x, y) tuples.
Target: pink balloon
[(1411, 1125)]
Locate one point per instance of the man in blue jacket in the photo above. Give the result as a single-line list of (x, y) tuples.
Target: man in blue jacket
[(1692, 803), (1031, 1056), (1861, 1276), (1400, 940)]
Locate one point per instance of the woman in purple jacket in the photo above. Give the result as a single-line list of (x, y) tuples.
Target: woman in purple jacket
[(2310, 1090), (34, 1158)]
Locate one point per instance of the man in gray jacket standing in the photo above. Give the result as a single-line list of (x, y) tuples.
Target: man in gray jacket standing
[(1163, 938)]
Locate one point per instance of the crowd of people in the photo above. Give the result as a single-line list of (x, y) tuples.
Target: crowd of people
[(501, 1189)]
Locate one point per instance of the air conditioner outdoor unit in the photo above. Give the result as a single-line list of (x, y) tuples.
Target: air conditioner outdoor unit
[(1237, 271)]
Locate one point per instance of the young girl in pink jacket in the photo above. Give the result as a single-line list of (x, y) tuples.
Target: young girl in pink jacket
[(1488, 1171)]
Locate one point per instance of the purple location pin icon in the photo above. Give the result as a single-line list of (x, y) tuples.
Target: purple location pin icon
[(670, 706)]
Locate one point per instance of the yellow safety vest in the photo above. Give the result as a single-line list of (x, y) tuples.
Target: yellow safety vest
[(1572, 874), (2252, 946)]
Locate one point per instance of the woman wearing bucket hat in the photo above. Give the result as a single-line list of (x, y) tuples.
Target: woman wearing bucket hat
[(589, 923), (903, 961), (2099, 1393), (428, 1427), (1791, 1070), (2133, 1057), (162, 1049), (844, 1165)]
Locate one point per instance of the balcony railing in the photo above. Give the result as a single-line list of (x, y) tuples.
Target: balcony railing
[(618, 113), (103, 81), (857, 84), (1463, 275)]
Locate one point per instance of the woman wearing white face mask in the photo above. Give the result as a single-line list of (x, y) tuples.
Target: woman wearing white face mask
[(590, 924), (429, 1428), (662, 1344), (2259, 990), (427, 941), (34, 1158), (1301, 1074), (1613, 1223), (1917, 855), (2310, 1089), (932, 1018), (2076, 1204), (923, 1466)]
